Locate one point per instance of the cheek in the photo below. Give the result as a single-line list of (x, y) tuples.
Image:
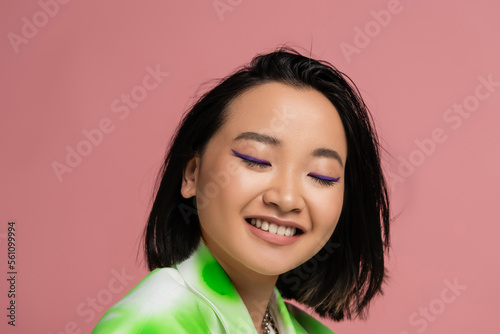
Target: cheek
[(326, 210), (325, 213), (222, 186)]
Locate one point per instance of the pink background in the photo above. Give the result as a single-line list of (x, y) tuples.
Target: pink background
[(77, 232)]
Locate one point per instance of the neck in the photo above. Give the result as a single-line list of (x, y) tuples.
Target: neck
[(255, 294), (254, 289)]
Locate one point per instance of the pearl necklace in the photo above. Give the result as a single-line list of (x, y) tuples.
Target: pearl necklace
[(268, 322)]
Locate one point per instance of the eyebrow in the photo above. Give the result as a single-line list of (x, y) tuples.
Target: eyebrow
[(258, 137), (328, 153), (319, 152)]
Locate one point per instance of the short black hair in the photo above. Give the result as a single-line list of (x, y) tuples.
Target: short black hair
[(349, 271)]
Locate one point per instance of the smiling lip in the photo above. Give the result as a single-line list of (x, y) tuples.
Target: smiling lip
[(275, 238), (278, 222)]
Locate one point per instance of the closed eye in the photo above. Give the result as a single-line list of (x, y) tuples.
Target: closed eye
[(251, 161), (324, 180), (254, 162)]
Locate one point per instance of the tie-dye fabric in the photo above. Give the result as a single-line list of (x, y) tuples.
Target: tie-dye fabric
[(196, 296)]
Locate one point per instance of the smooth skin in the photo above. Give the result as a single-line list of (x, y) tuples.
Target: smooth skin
[(282, 128)]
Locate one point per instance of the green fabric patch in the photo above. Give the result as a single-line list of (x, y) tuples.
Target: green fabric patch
[(214, 275), (216, 279)]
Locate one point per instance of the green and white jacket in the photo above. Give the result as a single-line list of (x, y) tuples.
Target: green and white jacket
[(196, 296)]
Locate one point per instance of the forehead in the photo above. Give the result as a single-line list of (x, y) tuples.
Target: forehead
[(287, 113)]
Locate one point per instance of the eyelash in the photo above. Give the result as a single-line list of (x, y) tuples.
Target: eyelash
[(323, 181), (252, 163)]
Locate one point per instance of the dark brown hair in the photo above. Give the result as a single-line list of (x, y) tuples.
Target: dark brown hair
[(349, 271)]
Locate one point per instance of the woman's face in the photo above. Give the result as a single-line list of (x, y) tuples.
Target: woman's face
[(279, 157)]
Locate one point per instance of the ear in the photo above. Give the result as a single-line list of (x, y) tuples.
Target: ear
[(190, 177)]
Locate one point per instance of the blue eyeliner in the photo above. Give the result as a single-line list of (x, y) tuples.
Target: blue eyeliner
[(251, 161), (247, 157), (326, 178)]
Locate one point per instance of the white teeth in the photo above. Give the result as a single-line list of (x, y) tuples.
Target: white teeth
[(264, 226), (273, 228)]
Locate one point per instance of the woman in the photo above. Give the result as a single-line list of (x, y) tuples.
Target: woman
[(272, 188)]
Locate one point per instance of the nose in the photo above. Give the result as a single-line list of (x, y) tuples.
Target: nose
[(285, 192)]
